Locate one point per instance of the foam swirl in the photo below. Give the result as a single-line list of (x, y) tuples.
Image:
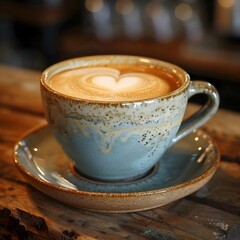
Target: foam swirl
[(109, 84)]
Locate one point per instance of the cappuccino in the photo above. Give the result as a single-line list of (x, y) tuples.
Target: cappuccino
[(117, 83), (115, 116)]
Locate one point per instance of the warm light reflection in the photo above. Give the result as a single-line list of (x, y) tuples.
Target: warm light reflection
[(144, 60), (124, 7), (61, 181), (199, 148), (154, 8), (196, 139), (94, 5), (183, 11), (226, 3), (35, 149), (41, 171)]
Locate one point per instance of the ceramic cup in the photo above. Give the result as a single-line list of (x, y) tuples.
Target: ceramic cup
[(122, 140)]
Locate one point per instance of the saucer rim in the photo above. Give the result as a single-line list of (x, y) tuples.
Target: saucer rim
[(40, 181)]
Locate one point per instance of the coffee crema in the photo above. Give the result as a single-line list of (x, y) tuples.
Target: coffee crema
[(115, 83)]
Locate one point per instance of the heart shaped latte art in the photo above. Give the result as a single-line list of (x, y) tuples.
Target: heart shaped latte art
[(111, 79), (109, 84), (117, 84)]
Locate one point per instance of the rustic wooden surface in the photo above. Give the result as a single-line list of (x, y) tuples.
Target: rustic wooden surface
[(213, 212)]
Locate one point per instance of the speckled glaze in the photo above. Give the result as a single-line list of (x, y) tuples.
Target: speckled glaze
[(184, 168), (116, 141)]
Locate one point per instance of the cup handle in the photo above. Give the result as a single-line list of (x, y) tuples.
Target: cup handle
[(204, 113)]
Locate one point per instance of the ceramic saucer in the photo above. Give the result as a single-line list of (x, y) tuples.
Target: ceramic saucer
[(184, 168)]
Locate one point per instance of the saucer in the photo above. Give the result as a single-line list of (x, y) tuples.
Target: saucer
[(183, 169)]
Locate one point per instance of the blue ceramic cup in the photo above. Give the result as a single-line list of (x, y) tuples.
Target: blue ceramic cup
[(121, 139)]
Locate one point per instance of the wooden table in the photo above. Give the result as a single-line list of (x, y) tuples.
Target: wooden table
[(26, 213)]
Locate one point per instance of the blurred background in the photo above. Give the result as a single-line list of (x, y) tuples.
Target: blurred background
[(201, 36)]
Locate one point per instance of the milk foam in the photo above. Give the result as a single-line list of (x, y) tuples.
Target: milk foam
[(109, 84), (123, 83)]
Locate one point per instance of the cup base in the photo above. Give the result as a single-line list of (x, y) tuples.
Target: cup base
[(140, 177)]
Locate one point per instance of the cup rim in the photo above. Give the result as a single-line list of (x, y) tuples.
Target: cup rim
[(73, 63)]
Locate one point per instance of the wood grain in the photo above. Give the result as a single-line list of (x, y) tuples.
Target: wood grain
[(45, 217), (19, 89), (213, 212)]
